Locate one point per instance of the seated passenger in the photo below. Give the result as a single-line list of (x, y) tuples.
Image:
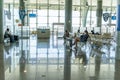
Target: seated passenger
[(66, 34), (84, 37), (9, 35), (92, 31)]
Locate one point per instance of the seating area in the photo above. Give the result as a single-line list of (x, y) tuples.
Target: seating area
[(11, 39), (95, 43)]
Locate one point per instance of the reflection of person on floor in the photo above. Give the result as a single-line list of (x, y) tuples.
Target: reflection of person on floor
[(7, 48), (22, 63), (82, 56)]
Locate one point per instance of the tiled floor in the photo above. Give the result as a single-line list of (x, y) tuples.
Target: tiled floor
[(49, 59)]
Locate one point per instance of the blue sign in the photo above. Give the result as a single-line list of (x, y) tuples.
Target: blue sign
[(113, 17), (22, 14), (32, 15)]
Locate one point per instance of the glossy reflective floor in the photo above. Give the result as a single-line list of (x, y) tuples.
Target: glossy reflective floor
[(50, 59)]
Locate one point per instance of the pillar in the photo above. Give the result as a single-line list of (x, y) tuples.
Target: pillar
[(99, 13), (1, 21), (2, 70), (117, 70), (68, 15), (68, 26), (117, 55), (22, 6), (118, 31), (97, 66), (22, 10), (67, 64), (2, 73)]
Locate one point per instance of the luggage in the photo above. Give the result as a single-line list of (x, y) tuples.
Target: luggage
[(16, 38), (11, 38)]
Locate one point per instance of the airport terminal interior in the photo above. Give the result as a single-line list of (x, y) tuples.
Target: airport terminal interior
[(37, 48)]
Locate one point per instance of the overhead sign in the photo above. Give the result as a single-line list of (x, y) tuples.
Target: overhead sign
[(22, 14), (113, 17), (106, 16), (32, 15)]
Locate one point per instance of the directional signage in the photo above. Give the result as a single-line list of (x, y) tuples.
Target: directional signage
[(32, 15), (106, 16), (113, 17), (22, 14)]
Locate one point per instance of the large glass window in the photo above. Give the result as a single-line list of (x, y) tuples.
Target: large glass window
[(50, 11)]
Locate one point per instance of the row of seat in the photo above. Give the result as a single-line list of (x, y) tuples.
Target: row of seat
[(11, 39)]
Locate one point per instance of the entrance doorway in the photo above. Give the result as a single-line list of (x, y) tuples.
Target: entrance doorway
[(58, 29), (57, 32)]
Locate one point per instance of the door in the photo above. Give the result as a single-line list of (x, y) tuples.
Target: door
[(58, 32), (58, 29)]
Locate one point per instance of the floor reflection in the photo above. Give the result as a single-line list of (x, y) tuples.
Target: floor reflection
[(67, 64), (22, 62), (51, 60), (117, 70)]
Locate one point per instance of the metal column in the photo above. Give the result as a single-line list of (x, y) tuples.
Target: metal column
[(2, 72), (22, 6), (67, 64), (117, 70), (2, 67), (1, 21), (68, 15), (99, 14), (68, 26), (117, 56), (118, 31)]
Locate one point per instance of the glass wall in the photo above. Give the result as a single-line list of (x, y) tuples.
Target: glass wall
[(42, 14), (46, 12)]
